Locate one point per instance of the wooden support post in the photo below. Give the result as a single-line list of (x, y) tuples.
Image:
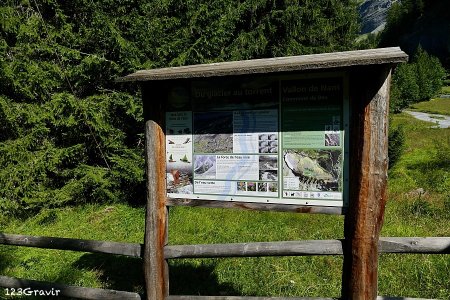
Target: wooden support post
[(369, 163), (155, 267)]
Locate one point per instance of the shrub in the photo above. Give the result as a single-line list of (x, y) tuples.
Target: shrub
[(69, 134), (430, 74), (405, 88), (416, 81), (396, 144)]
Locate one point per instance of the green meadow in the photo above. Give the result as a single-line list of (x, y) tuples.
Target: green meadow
[(435, 106), (419, 205)]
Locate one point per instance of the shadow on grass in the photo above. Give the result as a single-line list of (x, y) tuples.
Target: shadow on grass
[(115, 272), (7, 257), (189, 279), (438, 162), (126, 274)]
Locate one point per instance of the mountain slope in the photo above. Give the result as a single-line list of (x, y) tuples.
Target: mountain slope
[(373, 15)]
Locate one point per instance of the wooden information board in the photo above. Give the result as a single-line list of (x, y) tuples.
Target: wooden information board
[(259, 139), (303, 134)]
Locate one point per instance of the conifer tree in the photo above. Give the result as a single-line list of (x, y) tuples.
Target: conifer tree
[(69, 134)]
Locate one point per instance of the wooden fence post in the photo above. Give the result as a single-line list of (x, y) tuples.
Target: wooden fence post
[(369, 163), (155, 267)]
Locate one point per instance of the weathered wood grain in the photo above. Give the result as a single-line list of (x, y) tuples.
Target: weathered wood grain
[(401, 245), (257, 206), (242, 298), (65, 290), (273, 298), (368, 173), (278, 64), (415, 245), (156, 281), (400, 298), (291, 248), (128, 249), (97, 294)]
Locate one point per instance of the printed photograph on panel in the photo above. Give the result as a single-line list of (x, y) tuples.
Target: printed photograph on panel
[(273, 187), (262, 187), (179, 175), (251, 186), (213, 132), (332, 139), (268, 162), (271, 175), (205, 166), (268, 143), (241, 186), (317, 170)]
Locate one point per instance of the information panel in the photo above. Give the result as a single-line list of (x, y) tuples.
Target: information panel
[(257, 140)]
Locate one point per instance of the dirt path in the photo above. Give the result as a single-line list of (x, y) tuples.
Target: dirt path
[(440, 120)]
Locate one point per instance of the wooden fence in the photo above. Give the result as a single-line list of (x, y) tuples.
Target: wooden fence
[(405, 245), (368, 73)]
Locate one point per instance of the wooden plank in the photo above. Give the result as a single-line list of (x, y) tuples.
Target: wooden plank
[(368, 173), (156, 281), (128, 249), (93, 293), (415, 245), (273, 298), (400, 298), (56, 289), (291, 248), (401, 245), (278, 64), (242, 298), (257, 206)]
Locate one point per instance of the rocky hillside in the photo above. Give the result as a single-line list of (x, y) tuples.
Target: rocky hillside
[(373, 15), (428, 27)]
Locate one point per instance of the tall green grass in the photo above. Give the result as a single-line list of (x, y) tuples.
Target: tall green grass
[(401, 275), (425, 163), (272, 276)]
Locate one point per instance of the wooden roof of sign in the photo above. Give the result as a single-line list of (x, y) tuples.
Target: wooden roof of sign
[(278, 64)]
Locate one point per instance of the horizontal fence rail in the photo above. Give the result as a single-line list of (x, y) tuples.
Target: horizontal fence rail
[(402, 245), (406, 245), (242, 298), (128, 249), (40, 288), (291, 248), (413, 245), (419, 245), (272, 298), (93, 293)]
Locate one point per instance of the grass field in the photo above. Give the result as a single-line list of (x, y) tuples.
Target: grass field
[(435, 106), (446, 90), (424, 165)]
